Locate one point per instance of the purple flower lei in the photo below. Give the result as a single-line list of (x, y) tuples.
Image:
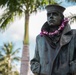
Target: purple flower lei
[(43, 32)]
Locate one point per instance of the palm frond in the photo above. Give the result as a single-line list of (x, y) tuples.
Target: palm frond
[(4, 49), (10, 47), (8, 17), (15, 6), (15, 52), (16, 58), (3, 3), (5, 19), (1, 55)]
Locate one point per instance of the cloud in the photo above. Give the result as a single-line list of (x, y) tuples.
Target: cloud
[(70, 11), (15, 31), (36, 22)]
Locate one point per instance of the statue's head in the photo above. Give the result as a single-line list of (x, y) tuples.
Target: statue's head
[(54, 14)]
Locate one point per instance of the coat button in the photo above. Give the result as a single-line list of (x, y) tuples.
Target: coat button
[(47, 62), (46, 50)]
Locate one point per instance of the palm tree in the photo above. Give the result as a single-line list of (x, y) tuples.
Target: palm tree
[(15, 8), (16, 73), (7, 57)]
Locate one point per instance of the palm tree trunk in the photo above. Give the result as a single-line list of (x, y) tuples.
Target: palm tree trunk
[(25, 61), (25, 53), (26, 30)]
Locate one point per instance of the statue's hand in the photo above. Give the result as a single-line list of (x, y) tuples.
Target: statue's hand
[(73, 66)]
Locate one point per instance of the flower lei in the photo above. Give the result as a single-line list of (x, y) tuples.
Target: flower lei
[(43, 32)]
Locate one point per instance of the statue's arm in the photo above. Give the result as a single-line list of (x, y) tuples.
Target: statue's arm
[(35, 65), (73, 63)]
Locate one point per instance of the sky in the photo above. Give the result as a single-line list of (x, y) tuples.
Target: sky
[(15, 32)]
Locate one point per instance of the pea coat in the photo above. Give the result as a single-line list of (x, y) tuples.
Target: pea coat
[(61, 61)]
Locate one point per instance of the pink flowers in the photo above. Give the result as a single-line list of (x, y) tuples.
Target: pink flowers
[(56, 31)]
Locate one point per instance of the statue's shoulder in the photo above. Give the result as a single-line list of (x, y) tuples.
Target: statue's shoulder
[(40, 37)]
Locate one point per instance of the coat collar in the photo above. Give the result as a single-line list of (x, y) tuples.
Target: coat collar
[(66, 35)]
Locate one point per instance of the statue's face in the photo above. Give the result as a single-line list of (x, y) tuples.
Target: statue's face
[(54, 18)]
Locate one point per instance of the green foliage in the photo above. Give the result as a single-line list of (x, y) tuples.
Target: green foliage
[(5, 19), (3, 3), (7, 57)]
